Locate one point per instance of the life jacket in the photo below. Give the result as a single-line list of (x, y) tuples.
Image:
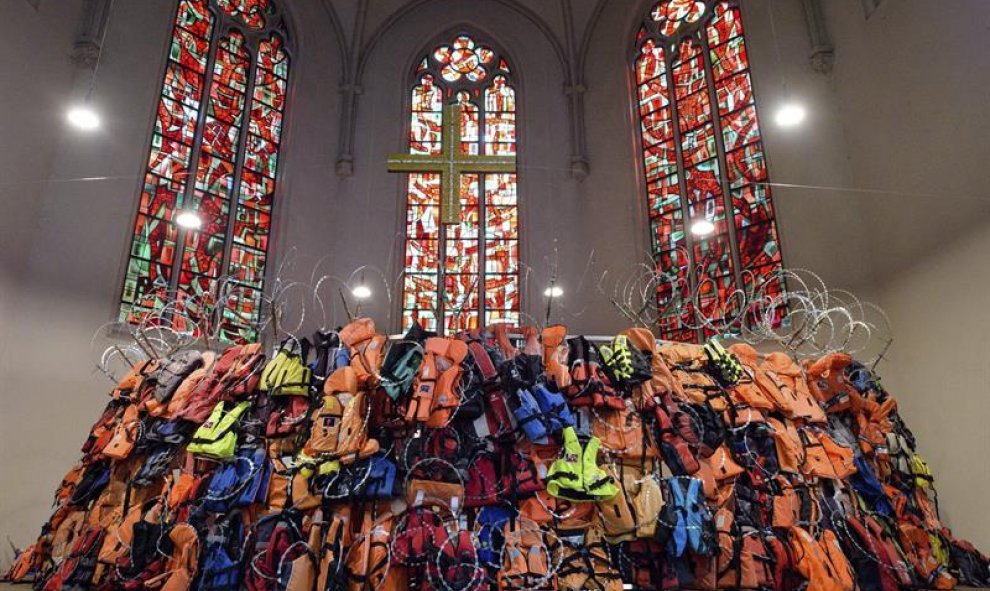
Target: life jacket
[(585, 563), (790, 389), (890, 551), (589, 386), (821, 562), (829, 383), (576, 476), (366, 348), (185, 390), (78, 566), (130, 384), (499, 419), (755, 389), (223, 552), (241, 482), (168, 376), (555, 354), (645, 498), (526, 560), (922, 473), (399, 371), (336, 540), (677, 453), (234, 375), (283, 556), (616, 514), (624, 364), (27, 563), (968, 564), (873, 570), (742, 560), (182, 565), (661, 381), (435, 396), (482, 485), (620, 431), (686, 522), (419, 534), (217, 437), (287, 373), (724, 365), (785, 577), (125, 435), (103, 430), (489, 527), (918, 550), (94, 478), (289, 487), (817, 463), (366, 562)]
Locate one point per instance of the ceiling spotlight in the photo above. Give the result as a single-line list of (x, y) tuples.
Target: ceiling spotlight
[(702, 227), (361, 292), (189, 220), (790, 114), (83, 117), (554, 291)]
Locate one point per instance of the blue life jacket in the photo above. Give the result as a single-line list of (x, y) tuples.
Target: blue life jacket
[(220, 563), (240, 482), (381, 478), (866, 485), (530, 417), (491, 525), (689, 519), (555, 411)]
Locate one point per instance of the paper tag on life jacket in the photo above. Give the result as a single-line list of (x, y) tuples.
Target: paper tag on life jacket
[(455, 504), (481, 427), (541, 469), (419, 498)]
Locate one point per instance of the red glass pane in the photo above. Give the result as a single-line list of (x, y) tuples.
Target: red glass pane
[(698, 145), (213, 211), (226, 104), (740, 128), (712, 256), (702, 182), (729, 58), (189, 50), (501, 221), (251, 228), (657, 127), (500, 189), (422, 255), (203, 254), (747, 165), (671, 15), (261, 156), (154, 240), (426, 133), (664, 194), (653, 95), (231, 66), (419, 292), (752, 205), (257, 191), (176, 121), (460, 293), (500, 97), (160, 197), (250, 12), (269, 89), (693, 110), (169, 159), (734, 92), (266, 122), (758, 245), (726, 24), (502, 257), (220, 139), (502, 292), (668, 231), (146, 283), (214, 175), (195, 17), (659, 160), (689, 69), (272, 56), (462, 256), (247, 265), (183, 85), (427, 96), (651, 62)]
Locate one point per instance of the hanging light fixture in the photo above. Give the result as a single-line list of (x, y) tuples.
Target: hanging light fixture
[(189, 220), (554, 291), (791, 114), (702, 227), (83, 116)]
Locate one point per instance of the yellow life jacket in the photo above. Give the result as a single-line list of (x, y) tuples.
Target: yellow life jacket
[(217, 438)]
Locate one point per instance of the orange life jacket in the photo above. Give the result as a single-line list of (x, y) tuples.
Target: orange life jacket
[(791, 392)]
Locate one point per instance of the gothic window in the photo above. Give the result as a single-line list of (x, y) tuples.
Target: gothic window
[(214, 153), (459, 276), (703, 158)]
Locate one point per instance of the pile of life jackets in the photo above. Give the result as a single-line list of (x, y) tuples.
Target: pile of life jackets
[(502, 460)]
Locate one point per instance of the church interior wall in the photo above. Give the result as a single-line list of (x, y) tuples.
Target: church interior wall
[(62, 244)]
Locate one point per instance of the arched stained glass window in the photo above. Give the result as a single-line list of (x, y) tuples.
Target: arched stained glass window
[(459, 276), (703, 156), (214, 151)]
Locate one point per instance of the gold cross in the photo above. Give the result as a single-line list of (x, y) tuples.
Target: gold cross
[(450, 163)]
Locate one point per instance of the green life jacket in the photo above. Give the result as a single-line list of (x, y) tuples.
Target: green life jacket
[(575, 476), (216, 437), (287, 373)]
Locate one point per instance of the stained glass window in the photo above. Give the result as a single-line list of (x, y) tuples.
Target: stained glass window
[(214, 151), (460, 276), (704, 160)]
